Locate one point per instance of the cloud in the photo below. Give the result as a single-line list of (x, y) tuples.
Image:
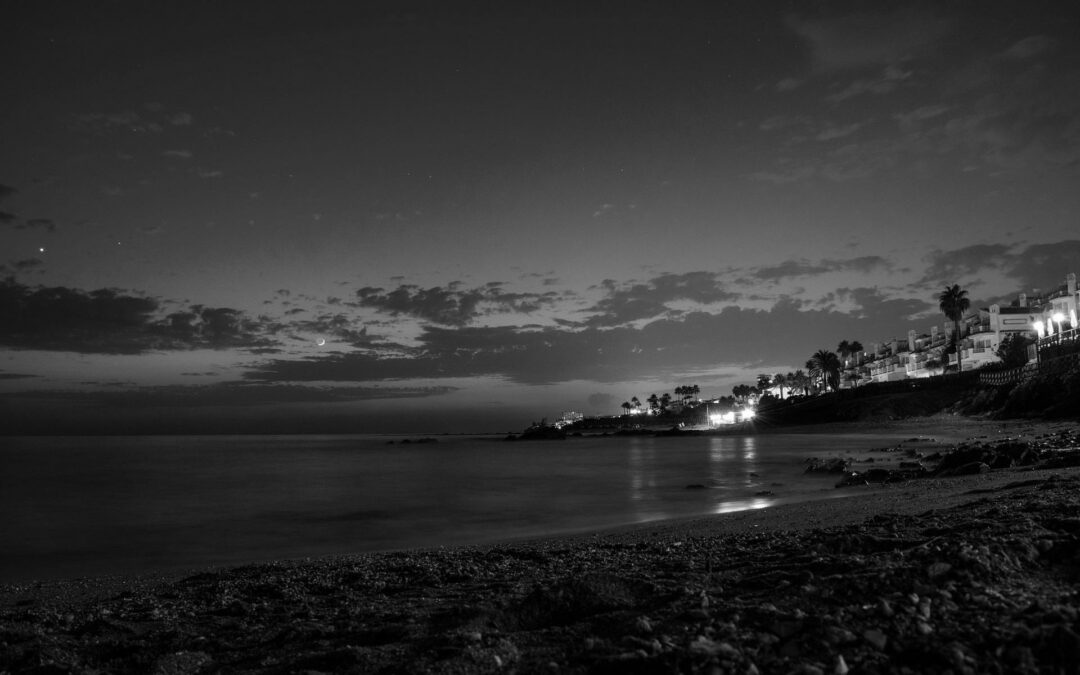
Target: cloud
[(5, 192), (832, 133), (339, 327), (180, 154), (951, 267), (869, 39), (889, 79), (912, 120), (693, 341), (108, 321), (1030, 47), (243, 394), (778, 122), (801, 268), (602, 401), (210, 173), (873, 305), (16, 376), (27, 264), (1045, 265), (153, 119), (1041, 266), (36, 223), (630, 302), (451, 305), (125, 120)]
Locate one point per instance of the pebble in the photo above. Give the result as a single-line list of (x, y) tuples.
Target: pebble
[(876, 638), (841, 667)]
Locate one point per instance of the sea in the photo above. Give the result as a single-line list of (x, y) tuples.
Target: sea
[(96, 506)]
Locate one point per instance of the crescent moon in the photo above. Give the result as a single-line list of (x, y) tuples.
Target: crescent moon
[(320, 342)]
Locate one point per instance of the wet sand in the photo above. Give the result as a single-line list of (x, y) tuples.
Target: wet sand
[(975, 573)]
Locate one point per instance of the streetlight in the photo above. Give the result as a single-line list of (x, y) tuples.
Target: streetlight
[(1040, 328), (1058, 317)]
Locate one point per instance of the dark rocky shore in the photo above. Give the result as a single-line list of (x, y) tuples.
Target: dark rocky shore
[(968, 574)]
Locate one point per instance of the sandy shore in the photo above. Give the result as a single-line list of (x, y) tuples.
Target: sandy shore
[(967, 574)]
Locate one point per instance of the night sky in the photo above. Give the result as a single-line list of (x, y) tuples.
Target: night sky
[(464, 216)]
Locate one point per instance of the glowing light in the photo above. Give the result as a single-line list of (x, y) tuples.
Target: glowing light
[(1072, 318), (1040, 328), (320, 342)]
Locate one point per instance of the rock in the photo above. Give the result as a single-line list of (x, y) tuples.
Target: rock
[(885, 608), (643, 625), (181, 663), (835, 635), (830, 465), (968, 469), (876, 638), (924, 608)]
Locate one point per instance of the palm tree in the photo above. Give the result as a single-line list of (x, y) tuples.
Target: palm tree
[(694, 391), (665, 401), (780, 380), (799, 380), (763, 383), (844, 350), (953, 303), (654, 403), (626, 407), (826, 365), (856, 350), (812, 375), (636, 403)]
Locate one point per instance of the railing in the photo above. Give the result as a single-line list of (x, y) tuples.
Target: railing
[(1001, 378), (1059, 337), (1022, 373)]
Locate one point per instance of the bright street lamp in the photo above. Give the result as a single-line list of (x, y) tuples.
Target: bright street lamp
[(1058, 318), (1040, 328)]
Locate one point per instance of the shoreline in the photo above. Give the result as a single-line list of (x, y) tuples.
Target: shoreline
[(808, 585)]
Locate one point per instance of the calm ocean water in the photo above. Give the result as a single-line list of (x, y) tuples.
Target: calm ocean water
[(84, 506)]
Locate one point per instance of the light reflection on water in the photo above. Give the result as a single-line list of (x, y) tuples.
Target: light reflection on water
[(744, 505), (75, 506)]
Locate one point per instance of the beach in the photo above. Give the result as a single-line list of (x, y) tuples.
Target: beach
[(969, 573)]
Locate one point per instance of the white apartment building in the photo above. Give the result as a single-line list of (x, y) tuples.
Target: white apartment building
[(982, 332)]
